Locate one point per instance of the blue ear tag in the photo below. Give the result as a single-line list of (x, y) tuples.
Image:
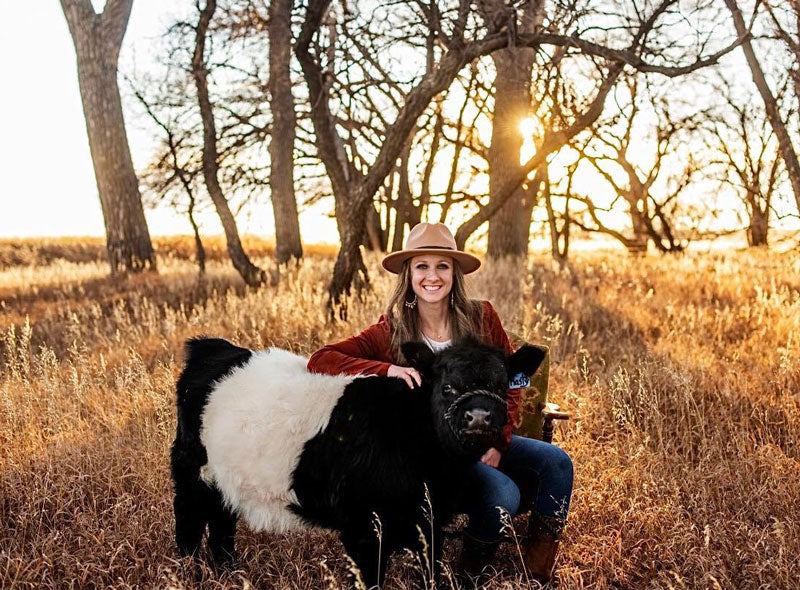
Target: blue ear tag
[(519, 381)]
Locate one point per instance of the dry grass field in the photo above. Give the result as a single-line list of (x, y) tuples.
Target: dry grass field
[(683, 374)]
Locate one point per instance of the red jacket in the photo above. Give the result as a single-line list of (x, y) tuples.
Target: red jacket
[(369, 353)]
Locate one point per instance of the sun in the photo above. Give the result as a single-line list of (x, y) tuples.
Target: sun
[(527, 127)]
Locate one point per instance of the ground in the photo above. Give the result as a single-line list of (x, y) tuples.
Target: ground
[(683, 374)]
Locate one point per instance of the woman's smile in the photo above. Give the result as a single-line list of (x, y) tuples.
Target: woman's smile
[(432, 277)]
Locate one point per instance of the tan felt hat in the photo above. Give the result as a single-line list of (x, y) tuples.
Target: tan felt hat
[(430, 238)]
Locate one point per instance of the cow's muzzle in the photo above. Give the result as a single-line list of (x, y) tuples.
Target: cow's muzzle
[(479, 419)]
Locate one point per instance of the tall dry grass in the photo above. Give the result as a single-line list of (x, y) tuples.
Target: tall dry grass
[(683, 375)]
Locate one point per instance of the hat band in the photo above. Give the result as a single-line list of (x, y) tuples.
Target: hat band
[(434, 248)]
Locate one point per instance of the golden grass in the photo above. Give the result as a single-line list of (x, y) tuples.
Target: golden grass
[(683, 374), (42, 251)]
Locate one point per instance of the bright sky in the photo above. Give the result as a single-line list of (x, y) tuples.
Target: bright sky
[(48, 186)]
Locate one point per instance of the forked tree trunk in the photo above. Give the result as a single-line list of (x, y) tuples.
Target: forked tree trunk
[(281, 146), (251, 274), (349, 270), (98, 38)]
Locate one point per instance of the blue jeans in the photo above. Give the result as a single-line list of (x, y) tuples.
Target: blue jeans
[(532, 476)]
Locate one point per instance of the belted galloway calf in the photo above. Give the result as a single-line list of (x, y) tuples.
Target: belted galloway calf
[(262, 439)]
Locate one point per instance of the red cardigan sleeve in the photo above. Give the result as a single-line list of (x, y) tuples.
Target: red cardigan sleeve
[(367, 353), (496, 336)]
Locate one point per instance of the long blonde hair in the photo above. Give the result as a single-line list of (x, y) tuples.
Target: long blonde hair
[(466, 315)]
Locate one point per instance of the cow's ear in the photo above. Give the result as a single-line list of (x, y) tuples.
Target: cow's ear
[(418, 355), (526, 360)]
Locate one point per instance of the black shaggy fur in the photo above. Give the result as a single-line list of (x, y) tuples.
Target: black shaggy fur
[(196, 504), (383, 447)]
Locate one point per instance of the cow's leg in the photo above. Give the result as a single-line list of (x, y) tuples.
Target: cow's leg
[(191, 516), (191, 493), (370, 557), (221, 531)]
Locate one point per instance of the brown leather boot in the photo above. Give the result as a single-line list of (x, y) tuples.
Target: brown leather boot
[(474, 557), (541, 547)]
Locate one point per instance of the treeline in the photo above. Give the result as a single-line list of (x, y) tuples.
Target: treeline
[(607, 117)]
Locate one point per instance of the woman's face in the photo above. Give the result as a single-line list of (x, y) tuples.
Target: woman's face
[(432, 277)]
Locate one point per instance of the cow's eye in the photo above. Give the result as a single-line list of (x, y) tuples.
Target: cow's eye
[(448, 389)]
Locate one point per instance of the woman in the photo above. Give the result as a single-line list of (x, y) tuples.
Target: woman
[(429, 303)]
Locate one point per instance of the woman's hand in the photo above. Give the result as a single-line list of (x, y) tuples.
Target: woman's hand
[(407, 374), (491, 458)]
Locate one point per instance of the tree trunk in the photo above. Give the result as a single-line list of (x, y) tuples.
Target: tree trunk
[(198, 242), (403, 204), (510, 227), (638, 245), (251, 274), (529, 199), (759, 226), (559, 238), (375, 237), (281, 146), (770, 104), (349, 269), (511, 105), (399, 230), (98, 38)]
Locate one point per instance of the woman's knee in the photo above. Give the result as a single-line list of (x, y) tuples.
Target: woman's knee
[(561, 463), (506, 495), (546, 459), (491, 488)]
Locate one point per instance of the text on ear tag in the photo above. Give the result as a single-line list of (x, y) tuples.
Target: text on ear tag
[(519, 381)]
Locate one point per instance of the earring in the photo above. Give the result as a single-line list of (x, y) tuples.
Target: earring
[(411, 304), (452, 303)]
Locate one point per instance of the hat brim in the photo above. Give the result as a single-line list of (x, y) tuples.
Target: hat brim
[(394, 261)]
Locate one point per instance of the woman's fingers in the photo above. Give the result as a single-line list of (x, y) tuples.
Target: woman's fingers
[(407, 374), (491, 458), (412, 375)]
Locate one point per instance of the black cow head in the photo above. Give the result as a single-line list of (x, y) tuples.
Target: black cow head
[(468, 384)]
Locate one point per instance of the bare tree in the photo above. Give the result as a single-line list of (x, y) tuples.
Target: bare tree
[(251, 274), (174, 173), (237, 92), (641, 43), (553, 140), (621, 164), (98, 39), (748, 159), (460, 39), (787, 150)]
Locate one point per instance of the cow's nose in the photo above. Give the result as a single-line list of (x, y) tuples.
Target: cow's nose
[(477, 419)]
